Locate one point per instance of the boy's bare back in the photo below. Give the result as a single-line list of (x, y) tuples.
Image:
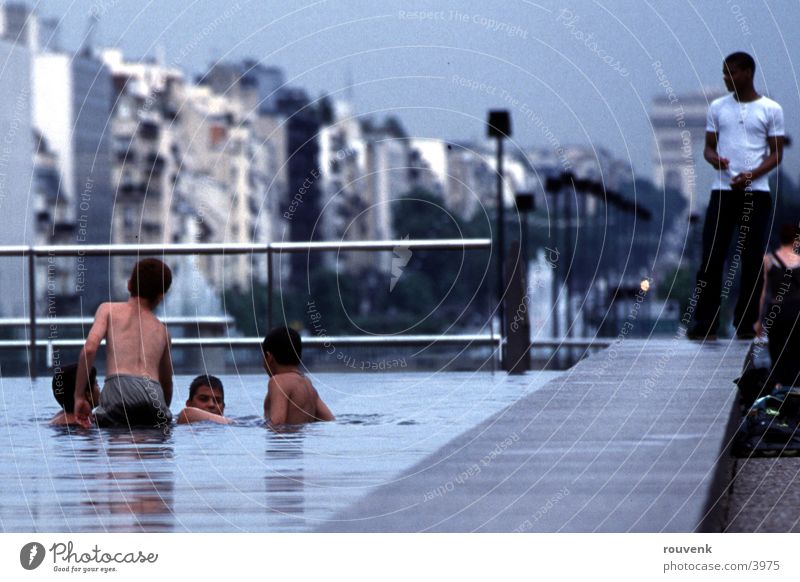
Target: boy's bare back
[(292, 399), (137, 350), (136, 341)]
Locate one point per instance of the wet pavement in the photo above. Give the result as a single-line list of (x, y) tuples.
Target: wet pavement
[(633, 438)]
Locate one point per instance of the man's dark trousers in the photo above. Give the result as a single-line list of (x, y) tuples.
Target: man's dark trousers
[(742, 217)]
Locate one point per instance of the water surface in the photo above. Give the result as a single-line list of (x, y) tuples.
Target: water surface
[(243, 477)]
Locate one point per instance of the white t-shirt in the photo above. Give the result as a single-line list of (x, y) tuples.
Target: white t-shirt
[(742, 130)]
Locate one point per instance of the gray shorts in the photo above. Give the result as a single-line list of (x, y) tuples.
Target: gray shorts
[(132, 401)]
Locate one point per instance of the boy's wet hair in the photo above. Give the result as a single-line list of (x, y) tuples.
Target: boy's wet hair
[(285, 345), (741, 61), (149, 279), (205, 380), (64, 386)]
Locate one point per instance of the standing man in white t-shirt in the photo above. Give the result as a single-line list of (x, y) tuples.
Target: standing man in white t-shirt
[(744, 143)]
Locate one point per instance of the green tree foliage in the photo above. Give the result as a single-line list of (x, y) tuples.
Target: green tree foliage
[(424, 292), (458, 281)]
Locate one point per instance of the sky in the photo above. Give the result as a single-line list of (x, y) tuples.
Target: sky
[(580, 72)]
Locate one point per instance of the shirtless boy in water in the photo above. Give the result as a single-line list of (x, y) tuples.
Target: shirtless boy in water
[(206, 402), (137, 352), (291, 399)]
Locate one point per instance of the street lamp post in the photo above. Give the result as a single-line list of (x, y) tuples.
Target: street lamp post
[(500, 128), (518, 344), (526, 203), (554, 185)]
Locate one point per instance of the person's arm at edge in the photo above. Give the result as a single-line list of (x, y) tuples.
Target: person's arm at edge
[(190, 414), (278, 403), (95, 395), (323, 412), (771, 161), (710, 152), (86, 359), (58, 420), (165, 371)]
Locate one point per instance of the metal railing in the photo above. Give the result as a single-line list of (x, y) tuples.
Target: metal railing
[(87, 321), (32, 252)]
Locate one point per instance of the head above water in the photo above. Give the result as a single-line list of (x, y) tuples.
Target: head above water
[(150, 280), (206, 393), (64, 386), (282, 346)]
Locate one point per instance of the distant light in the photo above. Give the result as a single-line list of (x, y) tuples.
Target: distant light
[(645, 285)]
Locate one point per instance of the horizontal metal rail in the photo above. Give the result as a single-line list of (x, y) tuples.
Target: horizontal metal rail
[(568, 342), (345, 340), (31, 252), (86, 321), (239, 248), (352, 340)]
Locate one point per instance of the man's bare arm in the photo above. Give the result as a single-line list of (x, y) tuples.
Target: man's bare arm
[(278, 403), (165, 371), (710, 152), (96, 335), (770, 162), (759, 326), (323, 412), (191, 414)]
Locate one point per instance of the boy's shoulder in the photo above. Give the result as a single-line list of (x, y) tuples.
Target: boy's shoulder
[(284, 377), (107, 306), (121, 307), (289, 380), (109, 310)]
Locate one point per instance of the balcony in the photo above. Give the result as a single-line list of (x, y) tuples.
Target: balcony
[(149, 130), (156, 163), (132, 188)]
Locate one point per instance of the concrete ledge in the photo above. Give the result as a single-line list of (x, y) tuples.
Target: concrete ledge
[(630, 439), (765, 496)]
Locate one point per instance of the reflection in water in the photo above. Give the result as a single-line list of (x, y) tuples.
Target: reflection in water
[(365, 419), (284, 479), (137, 483), (228, 478)]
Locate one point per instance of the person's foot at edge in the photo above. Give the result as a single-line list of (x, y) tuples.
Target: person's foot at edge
[(700, 333)]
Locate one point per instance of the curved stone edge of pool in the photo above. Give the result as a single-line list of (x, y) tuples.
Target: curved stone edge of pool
[(633, 439)]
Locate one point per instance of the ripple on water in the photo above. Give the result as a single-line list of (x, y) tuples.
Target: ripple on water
[(238, 477), (365, 419)]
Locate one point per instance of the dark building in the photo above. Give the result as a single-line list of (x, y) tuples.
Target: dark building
[(264, 92), (303, 177)]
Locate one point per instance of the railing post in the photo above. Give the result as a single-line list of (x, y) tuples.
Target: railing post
[(32, 302), (269, 287), (491, 335)]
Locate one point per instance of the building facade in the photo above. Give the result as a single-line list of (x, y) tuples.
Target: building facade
[(679, 130), (72, 100), (16, 173)]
